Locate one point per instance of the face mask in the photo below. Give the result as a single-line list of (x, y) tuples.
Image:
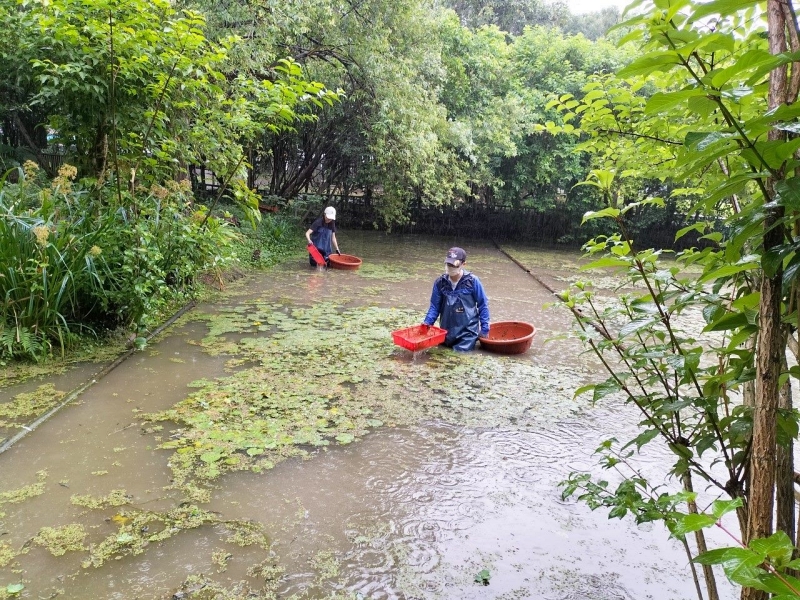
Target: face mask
[(452, 271)]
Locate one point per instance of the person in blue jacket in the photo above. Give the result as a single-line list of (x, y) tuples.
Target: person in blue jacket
[(322, 234), (460, 303)]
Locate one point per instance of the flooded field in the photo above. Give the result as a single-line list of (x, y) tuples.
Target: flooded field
[(278, 445)]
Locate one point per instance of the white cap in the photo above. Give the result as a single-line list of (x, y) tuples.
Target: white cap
[(330, 212)]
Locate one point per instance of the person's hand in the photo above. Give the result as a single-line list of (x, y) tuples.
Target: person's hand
[(339, 252), (424, 328)]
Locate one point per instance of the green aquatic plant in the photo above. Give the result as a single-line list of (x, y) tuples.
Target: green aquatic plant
[(387, 272), (8, 554), (323, 374), (29, 491), (290, 400), (113, 498), (25, 407), (60, 540), (12, 590), (139, 528), (483, 577), (221, 558)]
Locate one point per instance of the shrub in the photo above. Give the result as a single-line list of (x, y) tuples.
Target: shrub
[(74, 257), (50, 262)]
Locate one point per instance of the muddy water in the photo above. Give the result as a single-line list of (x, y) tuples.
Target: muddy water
[(414, 509)]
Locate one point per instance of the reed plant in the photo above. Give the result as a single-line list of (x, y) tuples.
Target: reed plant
[(74, 257), (50, 265)]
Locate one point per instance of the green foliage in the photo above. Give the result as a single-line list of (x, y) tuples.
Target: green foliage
[(483, 576), (157, 251), (765, 564), (48, 242), (72, 257), (136, 88), (694, 109), (634, 496), (509, 15), (274, 239)]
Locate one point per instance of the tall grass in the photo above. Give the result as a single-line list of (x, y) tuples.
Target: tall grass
[(74, 258), (49, 269)]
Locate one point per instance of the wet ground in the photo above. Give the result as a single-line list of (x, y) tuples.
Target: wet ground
[(277, 445)]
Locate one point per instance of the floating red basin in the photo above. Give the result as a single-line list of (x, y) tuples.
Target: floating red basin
[(419, 337), (346, 262), (509, 337)]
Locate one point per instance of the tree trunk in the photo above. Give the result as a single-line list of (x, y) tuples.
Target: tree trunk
[(784, 476), (770, 347)]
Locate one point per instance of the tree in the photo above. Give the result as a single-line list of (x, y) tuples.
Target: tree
[(710, 105), (511, 16)]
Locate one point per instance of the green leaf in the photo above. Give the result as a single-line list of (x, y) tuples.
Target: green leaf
[(601, 390), (750, 300), (608, 261), (720, 7), (712, 557), (731, 320), (600, 214), (643, 438), (702, 105), (727, 270), (636, 325), (698, 227), (788, 191), (211, 457), (700, 140), (650, 63), (483, 577), (746, 575), (777, 547), (773, 259), (723, 507), (752, 58), (14, 588), (689, 523), (790, 274), (664, 101)]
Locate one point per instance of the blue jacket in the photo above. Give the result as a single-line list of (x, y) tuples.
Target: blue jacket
[(463, 311)]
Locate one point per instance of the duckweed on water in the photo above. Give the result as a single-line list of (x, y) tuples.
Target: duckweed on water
[(221, 558), (113, 498), (60, 540), (7, 554), (139, 528), (387, 272), (23, 493), (322, 374), (98, 353), (24, 408)]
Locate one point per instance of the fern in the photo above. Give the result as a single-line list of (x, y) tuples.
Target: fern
[(7, 341), (20, 342)]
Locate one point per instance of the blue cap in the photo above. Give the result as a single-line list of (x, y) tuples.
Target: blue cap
[(456, 256)]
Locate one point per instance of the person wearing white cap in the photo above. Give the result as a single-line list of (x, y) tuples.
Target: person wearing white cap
[(322, 234)]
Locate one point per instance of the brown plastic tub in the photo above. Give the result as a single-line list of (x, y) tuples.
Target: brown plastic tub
[(346, 262), (509, 337)]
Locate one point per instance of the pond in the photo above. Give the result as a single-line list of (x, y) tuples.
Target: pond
[(276, 444)]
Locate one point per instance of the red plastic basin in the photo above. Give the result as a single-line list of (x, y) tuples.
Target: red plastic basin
[(346, 262), (509, 337), (419, 337)]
